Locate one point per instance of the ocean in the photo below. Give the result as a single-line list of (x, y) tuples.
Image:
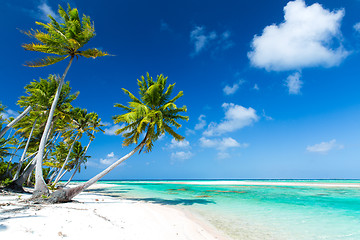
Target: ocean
[(259, 209)]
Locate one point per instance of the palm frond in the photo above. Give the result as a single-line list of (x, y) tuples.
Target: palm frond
[(45, 61), (93, 53)]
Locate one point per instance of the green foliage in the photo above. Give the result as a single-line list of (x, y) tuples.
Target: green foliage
[(154, 113), (5, 182), (40, 95), (62, 39), (2, 109), (4, 148)]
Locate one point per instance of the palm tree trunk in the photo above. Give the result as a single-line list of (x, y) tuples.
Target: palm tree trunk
[(62, 175), (66, 161), (7, 173), (13, 122), (17, 184), (24, 152), (40, 185), (53, 175), (77, 169), (65, 195), (79, 163)]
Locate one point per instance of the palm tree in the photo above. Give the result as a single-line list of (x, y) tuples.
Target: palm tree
[(153, 114), (63, 40), (82, 123), (96, 125), (79, 158), (40, 95)]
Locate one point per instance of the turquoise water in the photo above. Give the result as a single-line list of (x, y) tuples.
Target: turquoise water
[(245, 211)]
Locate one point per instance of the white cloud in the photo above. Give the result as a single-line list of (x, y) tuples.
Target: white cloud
[(236, 117), (229, 90), (202, 122), (111, 129), (46, 10), (294, 83), (179, 144), (324, 147), (9, 113), (110, 159), (203, 39), (306, 38), (181, 155), (357, 27), (256, 87), (221, 144)]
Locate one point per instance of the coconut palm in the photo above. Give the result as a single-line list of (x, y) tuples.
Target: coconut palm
[(151, 116), (82, 123), (61, 40), (96, 125), (40, 95), (79, 158)]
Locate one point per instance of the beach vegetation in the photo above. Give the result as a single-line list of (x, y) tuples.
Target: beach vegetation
[(61, 40), (145, 119)]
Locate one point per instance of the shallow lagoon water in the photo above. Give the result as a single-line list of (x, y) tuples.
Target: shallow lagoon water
[(266, 211)]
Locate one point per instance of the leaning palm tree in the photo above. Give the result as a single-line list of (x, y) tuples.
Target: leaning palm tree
[(62, 40), (153, 115), (79, 158)]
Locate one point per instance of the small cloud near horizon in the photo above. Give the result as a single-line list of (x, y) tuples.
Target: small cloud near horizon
[(324, 147)]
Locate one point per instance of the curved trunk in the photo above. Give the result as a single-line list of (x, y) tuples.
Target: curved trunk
[(77, 169), (40, 185), (13, 122), (7, 173), (53, 175), (65, 195), (24, 152), (18, 183), (60, 175), (79, 163)]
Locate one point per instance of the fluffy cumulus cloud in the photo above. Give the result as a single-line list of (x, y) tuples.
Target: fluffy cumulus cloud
[(181, 155), (236, 117), (294, 83), (202, 40), (324, 147), (309, 36), (221, 144), (179, 144)]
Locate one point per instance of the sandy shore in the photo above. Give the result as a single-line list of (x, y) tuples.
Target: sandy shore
[(93, 216)]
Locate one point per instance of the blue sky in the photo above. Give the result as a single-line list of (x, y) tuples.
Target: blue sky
[(272, 87)]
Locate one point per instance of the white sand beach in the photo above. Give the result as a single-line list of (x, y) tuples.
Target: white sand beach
[(93, 216)]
